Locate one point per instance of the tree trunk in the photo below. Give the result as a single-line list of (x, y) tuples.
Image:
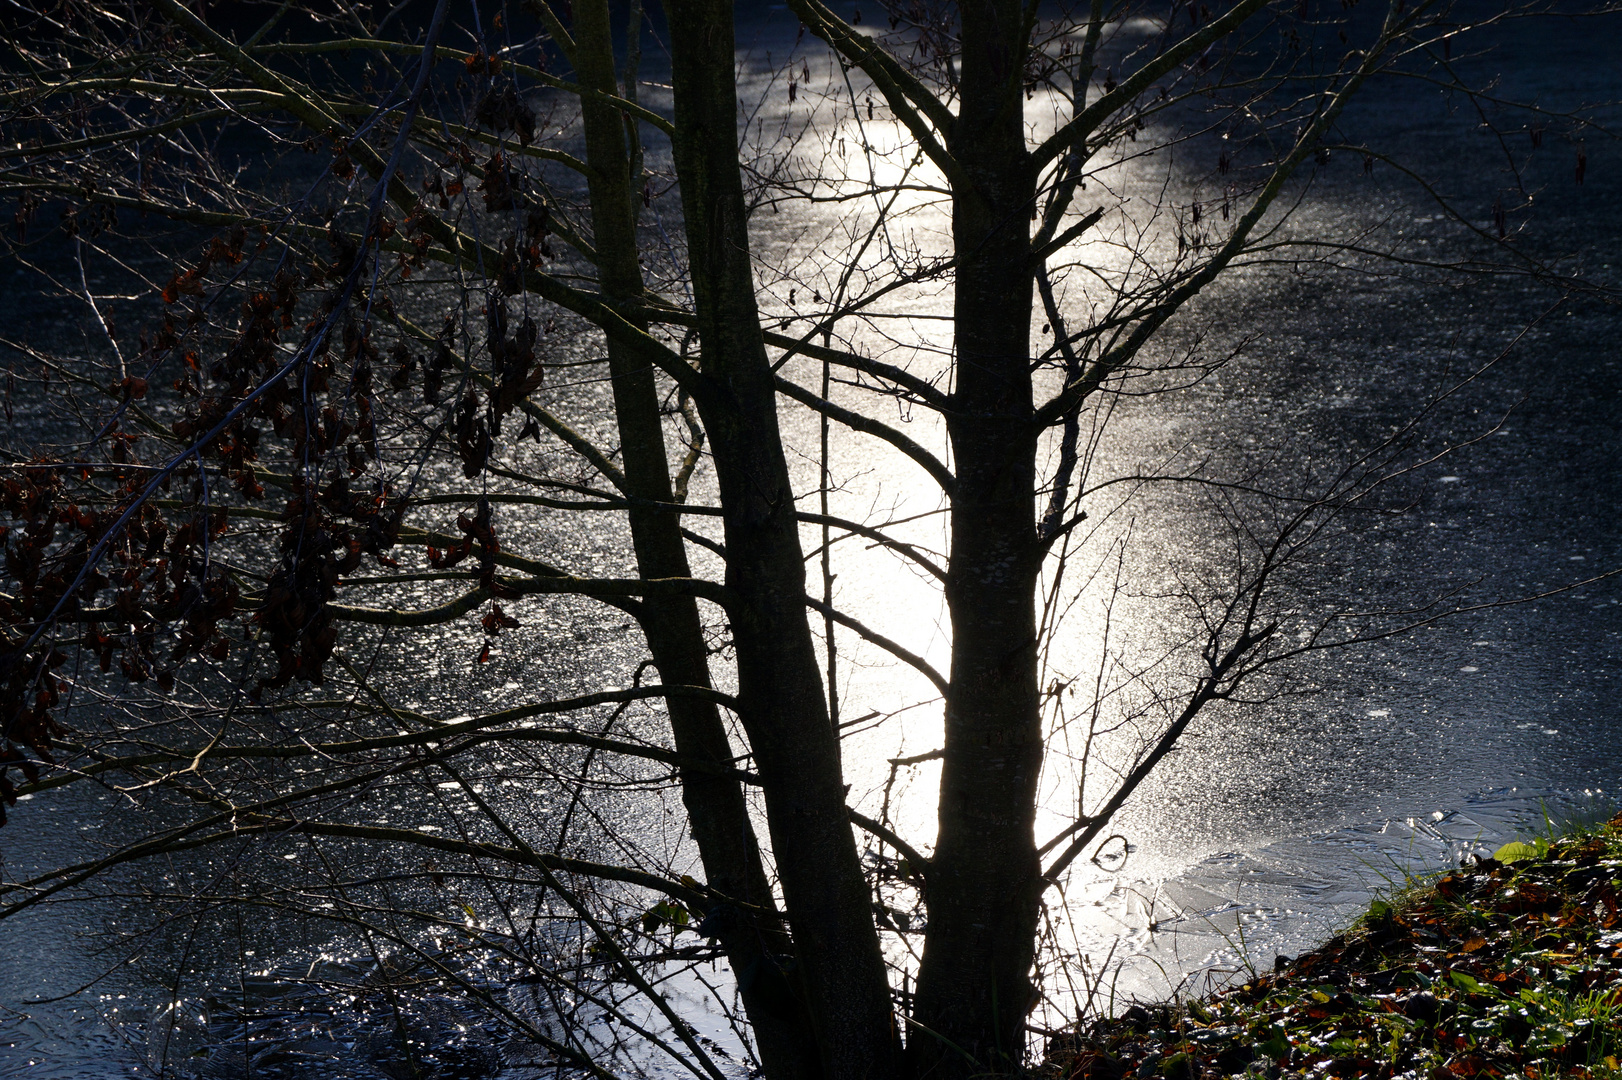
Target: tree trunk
[(973, 983), (837, 957), (715, 804)]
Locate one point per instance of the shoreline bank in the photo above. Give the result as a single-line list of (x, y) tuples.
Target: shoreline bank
[(1509, 967)]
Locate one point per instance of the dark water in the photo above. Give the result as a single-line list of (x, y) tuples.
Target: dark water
[(1276, 819)]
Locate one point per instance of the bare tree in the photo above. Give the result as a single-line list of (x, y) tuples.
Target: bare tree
[(398, 239)]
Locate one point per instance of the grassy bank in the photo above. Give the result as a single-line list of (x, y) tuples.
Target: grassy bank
[(1510, 967)]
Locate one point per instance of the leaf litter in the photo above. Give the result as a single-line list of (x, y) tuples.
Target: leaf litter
[(1510, 968)]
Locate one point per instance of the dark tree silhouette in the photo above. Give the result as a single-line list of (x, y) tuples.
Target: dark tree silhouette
[(366, 254)]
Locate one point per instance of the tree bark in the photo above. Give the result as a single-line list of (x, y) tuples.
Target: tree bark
[(782, 705), (716, 807), (973, 983)]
